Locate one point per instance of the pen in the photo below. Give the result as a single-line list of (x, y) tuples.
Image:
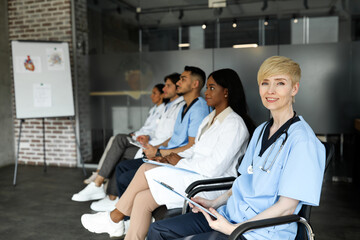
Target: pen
[(171, 188)]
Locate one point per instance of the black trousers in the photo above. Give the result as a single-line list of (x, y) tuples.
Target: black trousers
[(125, 172), (188, 226)]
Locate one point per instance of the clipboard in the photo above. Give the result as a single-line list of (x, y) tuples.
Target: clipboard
[(186, 198), (167, 165), (135, 143)]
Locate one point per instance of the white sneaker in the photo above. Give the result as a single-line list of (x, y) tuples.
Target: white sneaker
[(90, 192), (91, 178), (102, 223), (104, 205), (126, 226)]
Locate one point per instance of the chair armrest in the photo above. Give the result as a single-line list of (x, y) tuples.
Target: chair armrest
[(262, 224), (209, 188), (208, 181)]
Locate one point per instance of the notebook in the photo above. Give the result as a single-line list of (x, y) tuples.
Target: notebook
[(186, 198)]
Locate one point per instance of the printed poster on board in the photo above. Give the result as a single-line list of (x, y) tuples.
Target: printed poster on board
[(55, 59), (28, 64)]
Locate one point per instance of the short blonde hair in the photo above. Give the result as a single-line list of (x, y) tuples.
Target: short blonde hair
[(277, 65)]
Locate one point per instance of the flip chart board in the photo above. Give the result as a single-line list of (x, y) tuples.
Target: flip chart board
[(42, 79)]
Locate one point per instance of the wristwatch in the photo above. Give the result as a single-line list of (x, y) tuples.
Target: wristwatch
[(158, 154)]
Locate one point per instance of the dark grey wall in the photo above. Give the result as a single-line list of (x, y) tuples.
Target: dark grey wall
[(355, 81), (329, 87), (7, 133), (246, 63), (325, 98)]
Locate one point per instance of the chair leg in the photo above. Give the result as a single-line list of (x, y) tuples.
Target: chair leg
[(309, 230)]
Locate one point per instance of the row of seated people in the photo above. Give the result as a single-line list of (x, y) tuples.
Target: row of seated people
[(282, 167)]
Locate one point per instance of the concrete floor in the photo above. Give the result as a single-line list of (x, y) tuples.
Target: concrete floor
[(39, 207)]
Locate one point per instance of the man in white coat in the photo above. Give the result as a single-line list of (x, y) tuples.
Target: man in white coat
[(122, 149)]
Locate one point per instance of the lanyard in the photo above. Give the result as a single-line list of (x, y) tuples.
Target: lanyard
[(285, 131)]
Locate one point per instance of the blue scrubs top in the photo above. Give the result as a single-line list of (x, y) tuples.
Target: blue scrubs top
[(187, 126), (297, 173)]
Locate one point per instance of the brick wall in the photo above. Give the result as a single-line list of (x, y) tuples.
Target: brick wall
[(46, 20), (59, 141)]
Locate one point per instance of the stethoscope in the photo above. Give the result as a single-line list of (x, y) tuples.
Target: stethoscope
[(250, 169)]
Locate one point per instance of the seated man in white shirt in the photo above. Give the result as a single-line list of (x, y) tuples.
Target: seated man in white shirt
[(122, 149), (186, 127), (147, 130)]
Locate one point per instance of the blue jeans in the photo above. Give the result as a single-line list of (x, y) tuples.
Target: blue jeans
[(189, 226)]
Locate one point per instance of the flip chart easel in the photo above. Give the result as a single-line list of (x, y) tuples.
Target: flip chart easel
[(42, 83)]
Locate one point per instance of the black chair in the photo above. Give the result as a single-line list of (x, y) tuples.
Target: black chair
[(210, 185), (304, 229), (163, 213)]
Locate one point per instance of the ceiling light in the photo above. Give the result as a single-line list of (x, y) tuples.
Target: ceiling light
[(234, 25), (250, 45), (266, 21), (295, 19), (203, 26), (184, 44), (216, 3)]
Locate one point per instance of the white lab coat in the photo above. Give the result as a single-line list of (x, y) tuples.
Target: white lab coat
[(151, 122), (215, 154), (165, 124)]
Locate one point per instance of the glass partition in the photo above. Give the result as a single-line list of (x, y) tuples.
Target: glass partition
[(238, 32), (164, 39), (120, 92), (127, 58), (246, 63), (323, 98)]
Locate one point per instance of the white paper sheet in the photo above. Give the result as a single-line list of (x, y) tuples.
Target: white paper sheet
[(42, 95)]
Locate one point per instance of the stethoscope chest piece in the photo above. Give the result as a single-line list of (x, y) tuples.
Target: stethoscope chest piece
[(250, 169)]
